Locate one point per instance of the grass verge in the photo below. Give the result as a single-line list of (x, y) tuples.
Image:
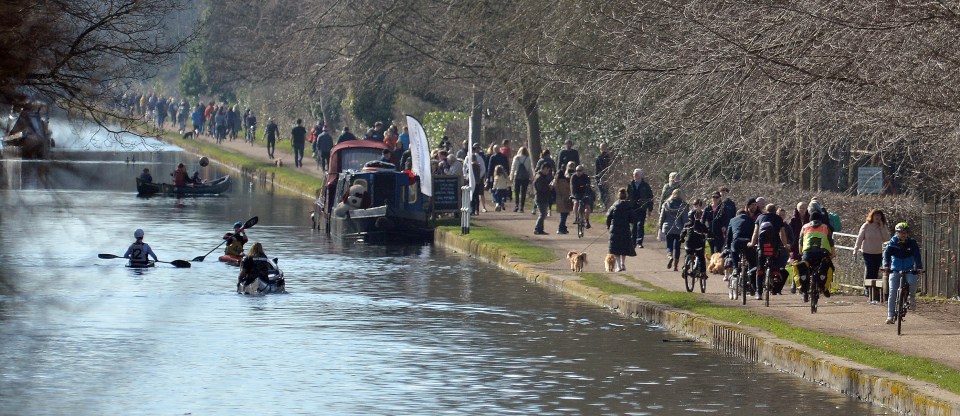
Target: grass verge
[(517, 248), (914, 367)]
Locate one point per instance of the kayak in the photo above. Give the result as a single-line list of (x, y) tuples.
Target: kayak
[(231, 260), (274, 283), (149, 264)]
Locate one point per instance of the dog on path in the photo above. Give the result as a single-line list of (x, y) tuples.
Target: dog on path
[(188, 135), (278, 162), (610, 263), (715, 266), (577, 260)]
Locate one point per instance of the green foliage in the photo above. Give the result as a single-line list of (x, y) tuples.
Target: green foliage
[(435, 123), (193, 78), (373, 101)]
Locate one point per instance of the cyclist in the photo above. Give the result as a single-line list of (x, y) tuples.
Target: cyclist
[(770, 236), (901, 255), (739, 232), (695, 234), (581, 193), (816, 246)]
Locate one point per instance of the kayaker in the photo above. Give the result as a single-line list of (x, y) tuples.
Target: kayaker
[(138, 251), (255, 265), (146, 176), (236, 240)]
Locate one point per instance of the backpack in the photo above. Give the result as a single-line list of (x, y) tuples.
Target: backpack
[(522, 170), (835, 221), (768, 239)]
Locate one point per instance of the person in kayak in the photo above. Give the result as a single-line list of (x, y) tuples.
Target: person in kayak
[(139, 251), (255, 266), (235, 240)]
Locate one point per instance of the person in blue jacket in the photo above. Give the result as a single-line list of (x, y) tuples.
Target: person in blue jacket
[(901, 255)]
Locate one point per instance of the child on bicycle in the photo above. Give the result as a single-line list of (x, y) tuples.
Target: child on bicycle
[(901, 256), (695, 234)]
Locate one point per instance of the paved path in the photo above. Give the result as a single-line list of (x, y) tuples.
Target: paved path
[(933, 331)]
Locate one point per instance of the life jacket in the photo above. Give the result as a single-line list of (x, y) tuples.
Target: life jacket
[(138, 256), (260, 267), (815, 235)]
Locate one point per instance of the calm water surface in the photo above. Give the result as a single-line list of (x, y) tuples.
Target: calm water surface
[(365, 330)]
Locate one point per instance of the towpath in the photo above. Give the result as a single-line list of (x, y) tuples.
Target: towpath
[(933, 331)]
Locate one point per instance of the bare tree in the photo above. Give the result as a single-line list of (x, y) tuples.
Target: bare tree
[(77, 53)]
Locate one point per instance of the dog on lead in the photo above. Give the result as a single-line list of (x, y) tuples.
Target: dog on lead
[(610, 263), (577, 260)]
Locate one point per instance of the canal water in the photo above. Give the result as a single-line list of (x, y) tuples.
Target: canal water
[(364, 330)]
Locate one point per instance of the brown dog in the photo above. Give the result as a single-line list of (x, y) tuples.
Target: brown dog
[(610, 263), (577, 260), (715, 266), (278, 162)]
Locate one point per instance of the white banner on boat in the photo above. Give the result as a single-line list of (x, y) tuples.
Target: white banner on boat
[(420, 155)]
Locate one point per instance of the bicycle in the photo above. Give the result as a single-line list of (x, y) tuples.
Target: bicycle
[(692, 272), (250, 134), (581, 216), (903, 297), (816, 282), (766, 272)]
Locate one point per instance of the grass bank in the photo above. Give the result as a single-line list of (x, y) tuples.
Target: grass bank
[(517, 248), (915, 367)]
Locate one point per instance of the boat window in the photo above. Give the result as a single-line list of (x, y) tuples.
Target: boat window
[(356, 157), (413, 191), (360, 181)]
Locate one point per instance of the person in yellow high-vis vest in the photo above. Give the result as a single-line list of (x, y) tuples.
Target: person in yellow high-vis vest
[(816, 248)]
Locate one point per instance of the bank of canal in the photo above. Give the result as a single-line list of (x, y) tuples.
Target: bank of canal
[(882, 388)]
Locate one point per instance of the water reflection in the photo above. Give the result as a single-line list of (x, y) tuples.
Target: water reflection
[(365, 330)]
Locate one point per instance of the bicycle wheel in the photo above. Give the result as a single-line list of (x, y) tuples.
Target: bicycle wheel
[(688, 274), (814, 293), (901, 307), (744, 272), (700, 274), (767, 287), (580, 227)]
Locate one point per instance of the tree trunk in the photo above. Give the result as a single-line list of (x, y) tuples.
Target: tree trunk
[(476, 118), (531, 109)]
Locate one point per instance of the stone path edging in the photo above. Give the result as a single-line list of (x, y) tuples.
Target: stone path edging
[(852, 379)]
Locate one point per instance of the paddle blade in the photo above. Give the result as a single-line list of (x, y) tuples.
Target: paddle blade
[(182, 264), (251, 222), (198, 258), (108, 256)]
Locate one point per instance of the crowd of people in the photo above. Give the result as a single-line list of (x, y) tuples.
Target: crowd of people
[(766, 235), (761, 232)]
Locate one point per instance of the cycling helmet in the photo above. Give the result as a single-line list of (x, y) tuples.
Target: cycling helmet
[(138, 233), (902, 227), (237, 224)]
